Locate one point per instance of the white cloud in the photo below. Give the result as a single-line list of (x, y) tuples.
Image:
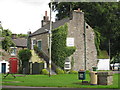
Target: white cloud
[(21, 15)]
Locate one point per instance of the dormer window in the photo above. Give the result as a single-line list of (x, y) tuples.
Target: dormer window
[(13, 51)]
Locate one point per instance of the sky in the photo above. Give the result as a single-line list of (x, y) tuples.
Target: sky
[(21, 16)]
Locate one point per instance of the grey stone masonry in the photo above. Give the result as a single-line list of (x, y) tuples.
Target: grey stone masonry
[(44, 39), (105, 78), (76, 29)]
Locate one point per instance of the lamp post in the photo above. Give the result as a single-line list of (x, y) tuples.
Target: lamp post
[(50, 38)]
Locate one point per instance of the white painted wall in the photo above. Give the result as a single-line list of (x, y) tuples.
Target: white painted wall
[(7, 67), (103, 64)]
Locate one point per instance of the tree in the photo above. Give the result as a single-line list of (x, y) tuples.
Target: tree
[(22, 35), (7, 42), (101, 16), (24, 56)]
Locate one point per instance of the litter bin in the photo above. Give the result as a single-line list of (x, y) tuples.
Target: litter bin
[(81, 75), (94, 68), (93, 78)]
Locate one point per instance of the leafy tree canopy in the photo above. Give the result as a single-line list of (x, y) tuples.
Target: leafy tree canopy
[(7, 42), (101, 16), (24, 55)]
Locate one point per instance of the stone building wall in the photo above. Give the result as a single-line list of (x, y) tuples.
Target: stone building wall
[(44, 39), (76, 28), (91, 52)]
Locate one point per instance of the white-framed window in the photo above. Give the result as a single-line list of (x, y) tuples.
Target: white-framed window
[(13, 51), (39, 44), (33, 42), (67, 65)]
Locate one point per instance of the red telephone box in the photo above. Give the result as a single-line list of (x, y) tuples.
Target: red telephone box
[(13, 65)]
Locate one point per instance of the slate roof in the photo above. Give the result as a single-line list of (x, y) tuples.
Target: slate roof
[(20, 42), (55, 25)]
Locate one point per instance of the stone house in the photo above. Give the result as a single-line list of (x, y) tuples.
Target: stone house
[(12, 54), (20, 43), (80, 35), (11, 58)]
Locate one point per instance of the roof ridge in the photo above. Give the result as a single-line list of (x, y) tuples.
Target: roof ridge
[(47, 26)]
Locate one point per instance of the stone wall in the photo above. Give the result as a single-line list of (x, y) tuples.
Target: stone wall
[(91, 52), (76, 28), (44, 39)]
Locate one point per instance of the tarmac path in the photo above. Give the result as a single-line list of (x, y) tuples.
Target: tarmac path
[(47, 88)]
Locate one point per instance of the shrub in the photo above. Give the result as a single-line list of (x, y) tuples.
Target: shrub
[(36, 48), (73, 72), (103, 54), (65, 72), (24, 55), (45, 72), (87, 71), (59, 71)]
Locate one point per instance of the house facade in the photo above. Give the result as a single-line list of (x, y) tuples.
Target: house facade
[(20, 43), (9, 61), (80, 35)]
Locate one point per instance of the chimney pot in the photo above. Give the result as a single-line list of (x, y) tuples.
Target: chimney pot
[(45, 13), (14, 36), (78, 9), (29, 32)]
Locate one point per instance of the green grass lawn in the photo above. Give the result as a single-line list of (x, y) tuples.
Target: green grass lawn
[(63, 80)]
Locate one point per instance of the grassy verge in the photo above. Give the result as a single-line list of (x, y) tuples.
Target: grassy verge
[(63, 80), (0, 81)]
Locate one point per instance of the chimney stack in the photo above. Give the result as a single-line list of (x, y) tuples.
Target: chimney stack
[(78, 10), (45, 13), (45, 19), (29, 32), (14, 36)]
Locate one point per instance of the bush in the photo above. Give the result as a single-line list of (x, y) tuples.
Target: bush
[(73, 72), (59, 71), (87, 71), (36, 48), (103, 55), (24, 55), (45, 72)]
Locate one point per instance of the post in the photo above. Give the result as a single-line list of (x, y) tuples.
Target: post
[(84, 46), (50, 38), (109, 48)]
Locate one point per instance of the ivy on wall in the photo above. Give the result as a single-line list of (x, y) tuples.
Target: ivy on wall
[(97, 40), (59, 49)]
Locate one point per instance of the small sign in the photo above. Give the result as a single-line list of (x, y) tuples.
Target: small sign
[(70, 42)]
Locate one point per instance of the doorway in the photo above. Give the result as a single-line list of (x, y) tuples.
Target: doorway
[(3, 67)]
